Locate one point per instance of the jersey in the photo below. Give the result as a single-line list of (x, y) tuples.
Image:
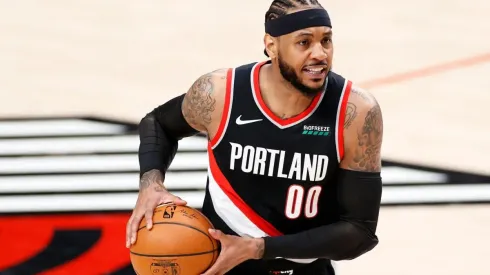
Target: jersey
[(269, 176)]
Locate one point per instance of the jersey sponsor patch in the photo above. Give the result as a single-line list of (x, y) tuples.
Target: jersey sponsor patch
[(314, 130)]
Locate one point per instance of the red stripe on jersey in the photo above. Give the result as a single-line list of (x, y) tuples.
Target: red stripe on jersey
[(343, 108), (226, 109), (270, 114), (223, 183)]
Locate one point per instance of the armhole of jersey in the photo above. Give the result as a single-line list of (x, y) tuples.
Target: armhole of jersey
[(225, 117), (339, 128)]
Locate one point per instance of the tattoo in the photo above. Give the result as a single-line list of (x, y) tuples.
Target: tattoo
[(150, 177), (367, 156), (159, 188), (350, 114), (363, 95), (198, 104)]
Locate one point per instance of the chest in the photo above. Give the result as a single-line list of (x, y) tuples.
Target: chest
[(300, 153)]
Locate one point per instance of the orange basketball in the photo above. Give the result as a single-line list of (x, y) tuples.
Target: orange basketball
[(178, 243)]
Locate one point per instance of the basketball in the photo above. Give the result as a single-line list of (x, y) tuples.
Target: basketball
[(178, 243)]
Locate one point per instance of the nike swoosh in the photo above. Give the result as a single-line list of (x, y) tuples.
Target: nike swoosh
[(239, 121)]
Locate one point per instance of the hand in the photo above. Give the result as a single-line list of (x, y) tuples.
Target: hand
[(234, 251), (152, 193)]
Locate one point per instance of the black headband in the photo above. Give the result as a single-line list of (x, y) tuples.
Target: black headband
[(297, 21)]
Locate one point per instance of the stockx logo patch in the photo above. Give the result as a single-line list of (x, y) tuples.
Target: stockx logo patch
[(313, 130)]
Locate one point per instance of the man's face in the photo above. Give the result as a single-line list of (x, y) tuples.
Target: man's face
[(305, 58)]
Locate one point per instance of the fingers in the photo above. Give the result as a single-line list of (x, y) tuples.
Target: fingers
[(217, 234), (146, 209), (149, 217), (216, 269), (128, 231), (173, 200), (133, 227), (179, 201)]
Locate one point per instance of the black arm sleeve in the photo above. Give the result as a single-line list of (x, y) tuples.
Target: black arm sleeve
[(159, 132), (359, 195)]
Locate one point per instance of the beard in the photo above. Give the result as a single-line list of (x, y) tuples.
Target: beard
[(292, 77)]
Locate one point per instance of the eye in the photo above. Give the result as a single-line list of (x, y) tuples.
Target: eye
[(303, 43), (326, 41)]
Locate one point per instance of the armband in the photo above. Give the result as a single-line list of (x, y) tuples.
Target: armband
[(359, 197), (159, 133)]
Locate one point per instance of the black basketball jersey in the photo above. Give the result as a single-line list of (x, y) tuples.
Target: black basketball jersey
[(269, 176)]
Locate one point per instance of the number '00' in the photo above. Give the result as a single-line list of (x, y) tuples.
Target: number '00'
[(296, 203)]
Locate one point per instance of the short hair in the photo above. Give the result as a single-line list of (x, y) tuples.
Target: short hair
[(280, 8)]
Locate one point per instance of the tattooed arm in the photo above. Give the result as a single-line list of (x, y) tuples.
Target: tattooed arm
[(203, 103), (361, 187), (358, 193), (199, 109), (363, 133)]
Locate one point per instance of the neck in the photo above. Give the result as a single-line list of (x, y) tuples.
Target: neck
[(282, 98)]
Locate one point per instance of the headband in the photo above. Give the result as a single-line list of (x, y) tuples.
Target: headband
[(296, 21)]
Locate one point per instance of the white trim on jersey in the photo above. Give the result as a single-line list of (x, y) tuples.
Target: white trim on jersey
[(230, 104), (339, 109), (230, 213), (233, 217), (265, 113)]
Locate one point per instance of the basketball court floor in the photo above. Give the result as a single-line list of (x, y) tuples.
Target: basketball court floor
[(427, 62)]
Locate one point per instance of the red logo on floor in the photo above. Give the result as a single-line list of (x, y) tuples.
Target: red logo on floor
[(64, 244)]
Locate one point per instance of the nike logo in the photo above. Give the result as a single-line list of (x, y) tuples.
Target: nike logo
[(239, 121)]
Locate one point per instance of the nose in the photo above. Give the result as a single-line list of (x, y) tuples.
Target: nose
[(318, 52)]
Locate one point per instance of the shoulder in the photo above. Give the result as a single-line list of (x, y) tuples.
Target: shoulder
[(204, 101), (210, 83), (363, 132), (363, 103)]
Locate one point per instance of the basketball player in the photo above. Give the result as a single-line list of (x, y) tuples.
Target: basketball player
[(294, 153)]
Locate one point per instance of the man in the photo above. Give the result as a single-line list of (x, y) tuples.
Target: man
[(294, 153)]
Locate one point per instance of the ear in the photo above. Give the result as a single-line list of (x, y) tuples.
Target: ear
[(270, 44)]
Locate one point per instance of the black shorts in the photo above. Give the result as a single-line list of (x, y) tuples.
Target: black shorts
[(283, 267)]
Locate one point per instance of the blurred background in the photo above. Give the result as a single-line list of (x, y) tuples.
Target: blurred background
[(77, 76)]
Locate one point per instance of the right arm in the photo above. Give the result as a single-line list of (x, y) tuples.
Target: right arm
[(198, 110)]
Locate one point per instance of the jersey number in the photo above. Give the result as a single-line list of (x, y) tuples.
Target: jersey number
[(296, 203)]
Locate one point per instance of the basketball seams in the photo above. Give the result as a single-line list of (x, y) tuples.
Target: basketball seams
[(175, 255), (178, 223), (182, 255), (214, 251)]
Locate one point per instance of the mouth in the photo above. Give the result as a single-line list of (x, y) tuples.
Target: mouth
[(318, 70)]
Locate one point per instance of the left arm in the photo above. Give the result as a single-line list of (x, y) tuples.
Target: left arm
[(359, 193), (359, 197)]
